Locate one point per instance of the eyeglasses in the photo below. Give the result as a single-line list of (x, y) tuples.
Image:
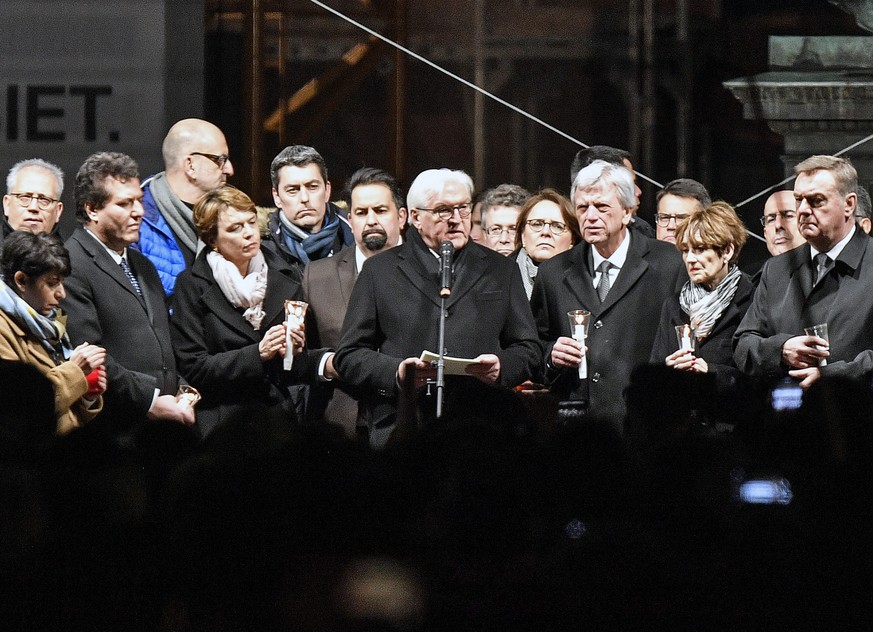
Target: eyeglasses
[(497, 231), (662, 219), (42, 202), (219, 160), (446, 212), (537, 225), (785, 215)]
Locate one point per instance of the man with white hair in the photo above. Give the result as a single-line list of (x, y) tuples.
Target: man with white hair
[(393, 313), (33, 197), (196, 161), (621, 277)]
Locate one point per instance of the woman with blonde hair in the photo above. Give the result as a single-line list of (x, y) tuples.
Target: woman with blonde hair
[(714, 299)]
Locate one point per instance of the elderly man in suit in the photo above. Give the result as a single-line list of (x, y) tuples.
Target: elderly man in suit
[(828, 280), (377, 216), (621, 277), (114, 296), (394, 310)]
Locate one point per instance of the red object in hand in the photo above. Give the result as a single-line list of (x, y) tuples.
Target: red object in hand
[(93, 378)]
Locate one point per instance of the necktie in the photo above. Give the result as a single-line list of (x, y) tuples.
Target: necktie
[(822, 265), (603, 283), (127, 271)]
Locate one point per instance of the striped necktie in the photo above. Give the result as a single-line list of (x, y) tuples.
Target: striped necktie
[(127, 271)]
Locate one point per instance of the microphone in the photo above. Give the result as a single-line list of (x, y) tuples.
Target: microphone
[(446, 251)]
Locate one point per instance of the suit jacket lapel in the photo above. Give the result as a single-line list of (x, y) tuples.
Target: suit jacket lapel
[(635, 265), (105, 263), (579, 278), (345, 272), (473, 267), (279, 289), (217, 302), (418, 276)]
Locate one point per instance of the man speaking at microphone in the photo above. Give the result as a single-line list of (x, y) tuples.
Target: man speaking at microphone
[(394, 311)]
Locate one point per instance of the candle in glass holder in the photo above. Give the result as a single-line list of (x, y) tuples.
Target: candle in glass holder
[(685, 337), (187, 394), (295, 312), (579, 331)]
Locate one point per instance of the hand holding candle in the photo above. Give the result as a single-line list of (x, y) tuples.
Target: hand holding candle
[(295, 313), (579, 331)]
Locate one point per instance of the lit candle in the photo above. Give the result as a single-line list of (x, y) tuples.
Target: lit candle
[(579, 335), (294, 314)]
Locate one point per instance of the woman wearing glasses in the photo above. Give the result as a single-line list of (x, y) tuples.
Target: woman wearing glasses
[(714, 299), (546, 227)]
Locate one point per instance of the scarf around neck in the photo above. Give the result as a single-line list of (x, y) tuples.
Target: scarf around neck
[(178, 216), (307, 246), (50, 331), (705, 307), (242, 291), (528, 271)]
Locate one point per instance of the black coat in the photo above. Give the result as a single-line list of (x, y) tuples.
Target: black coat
[(786, 302), (217, 349), (622, 328), (393, 314), (103, 308), (717, 348)]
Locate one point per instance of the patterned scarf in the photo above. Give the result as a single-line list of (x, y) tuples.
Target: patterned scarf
[(307, 246), (705, 307), (242, 291), (50, 331)]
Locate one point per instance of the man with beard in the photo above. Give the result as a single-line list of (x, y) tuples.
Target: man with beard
[(827, 280), (394, 310), (377, 217)]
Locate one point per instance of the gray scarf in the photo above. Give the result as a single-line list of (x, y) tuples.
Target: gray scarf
[(176, 213), (528, 271), (704, 307)]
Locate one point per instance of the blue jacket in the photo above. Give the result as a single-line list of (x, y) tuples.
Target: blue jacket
[(157, 242)]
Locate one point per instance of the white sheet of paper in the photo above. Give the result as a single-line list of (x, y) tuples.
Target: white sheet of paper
[(453, 366)]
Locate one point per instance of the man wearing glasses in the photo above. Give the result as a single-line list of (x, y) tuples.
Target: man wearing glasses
[(780, 223), (32, 201), (393, 313), (195, 162), (675, 202), (501, 207)]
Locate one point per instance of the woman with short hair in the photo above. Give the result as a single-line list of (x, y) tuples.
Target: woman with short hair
[(714, 299), (546, 227), (228, 317), (33, 328)]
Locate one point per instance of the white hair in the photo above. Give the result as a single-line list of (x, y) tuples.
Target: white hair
[(602, 172), (430, 183), (39, 163)]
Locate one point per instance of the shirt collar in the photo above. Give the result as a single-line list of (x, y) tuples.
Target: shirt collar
[(116, 257), (834, 252), (618, 257), (361, 258)]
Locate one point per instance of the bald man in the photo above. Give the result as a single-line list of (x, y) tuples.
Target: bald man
[(196, 161), (780, 223)]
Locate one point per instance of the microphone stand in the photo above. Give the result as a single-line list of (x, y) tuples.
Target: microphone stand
[(446, 253), (441, 358)]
